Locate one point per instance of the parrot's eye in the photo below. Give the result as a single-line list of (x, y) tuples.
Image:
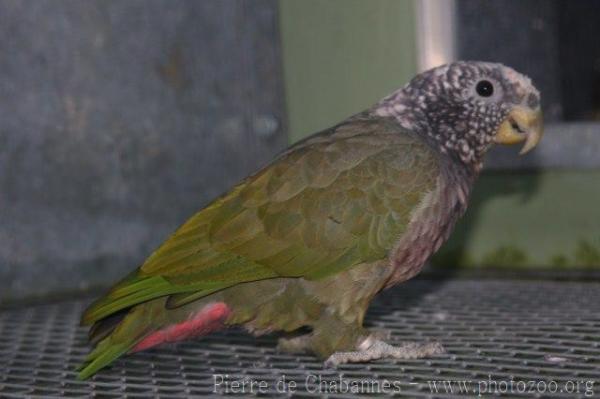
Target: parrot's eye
[(485, 88)]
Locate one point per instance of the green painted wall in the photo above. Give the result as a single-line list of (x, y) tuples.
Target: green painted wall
[(340, 56), (540, 219)]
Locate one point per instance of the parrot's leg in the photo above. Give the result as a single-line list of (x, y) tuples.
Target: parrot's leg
[(300, 344), (380, 334), (374, 349)]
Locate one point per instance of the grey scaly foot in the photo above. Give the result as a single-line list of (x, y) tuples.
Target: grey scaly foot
[(374, 349)]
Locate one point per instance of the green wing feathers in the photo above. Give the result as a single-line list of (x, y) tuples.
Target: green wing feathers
[(338, 199)]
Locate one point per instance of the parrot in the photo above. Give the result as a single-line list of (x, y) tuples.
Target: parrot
[(303, 246)]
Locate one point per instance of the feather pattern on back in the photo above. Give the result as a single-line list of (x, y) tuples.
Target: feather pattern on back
[(337, 199)]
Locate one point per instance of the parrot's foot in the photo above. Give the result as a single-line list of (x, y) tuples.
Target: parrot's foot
[(298, 344), (374, 349)]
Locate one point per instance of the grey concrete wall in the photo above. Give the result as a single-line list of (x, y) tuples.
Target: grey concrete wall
[(118, 120)]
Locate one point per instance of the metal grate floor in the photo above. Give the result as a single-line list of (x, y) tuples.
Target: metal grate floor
[(543, 336)]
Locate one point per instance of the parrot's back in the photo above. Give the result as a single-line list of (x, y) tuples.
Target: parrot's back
[(339, 199)]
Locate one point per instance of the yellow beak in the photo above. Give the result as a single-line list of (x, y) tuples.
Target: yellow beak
[(521, 124)]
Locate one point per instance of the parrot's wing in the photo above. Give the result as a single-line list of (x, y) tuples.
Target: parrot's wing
[(335, 200)]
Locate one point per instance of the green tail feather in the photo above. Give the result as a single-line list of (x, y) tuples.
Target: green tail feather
[(136, 325), (101, 357)]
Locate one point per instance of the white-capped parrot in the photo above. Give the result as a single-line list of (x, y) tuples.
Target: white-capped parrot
[(306, 242)]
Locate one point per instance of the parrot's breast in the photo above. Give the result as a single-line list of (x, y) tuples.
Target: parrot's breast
[(432, 222)]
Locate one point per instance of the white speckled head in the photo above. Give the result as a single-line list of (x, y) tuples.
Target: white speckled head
[(459, 107)]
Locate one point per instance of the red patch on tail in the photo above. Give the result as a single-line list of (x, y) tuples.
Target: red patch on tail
[(207, 320)]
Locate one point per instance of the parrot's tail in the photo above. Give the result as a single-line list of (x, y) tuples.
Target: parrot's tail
[(145, 326), (113, 337)]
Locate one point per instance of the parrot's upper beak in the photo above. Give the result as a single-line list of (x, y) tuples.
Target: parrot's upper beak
[(521, 124)]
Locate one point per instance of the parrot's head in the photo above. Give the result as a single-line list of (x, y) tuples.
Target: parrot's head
[(465, 107)]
